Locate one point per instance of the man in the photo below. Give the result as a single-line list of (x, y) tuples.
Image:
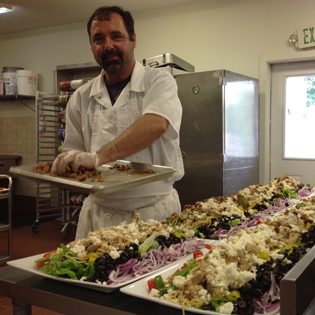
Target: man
[(127, 112)]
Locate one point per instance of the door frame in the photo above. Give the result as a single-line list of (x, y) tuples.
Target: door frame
[(265, 109)]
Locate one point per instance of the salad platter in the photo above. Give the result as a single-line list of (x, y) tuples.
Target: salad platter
[(139, 289), (242, 273), (115, 176), (29, 264)]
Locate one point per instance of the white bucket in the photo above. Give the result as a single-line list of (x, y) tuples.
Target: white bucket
[(10, 85), (26, 82)]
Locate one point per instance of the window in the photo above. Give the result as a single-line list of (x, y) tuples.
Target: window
[(299, 117)]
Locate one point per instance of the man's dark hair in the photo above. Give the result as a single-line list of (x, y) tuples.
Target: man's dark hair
[(105, 12)]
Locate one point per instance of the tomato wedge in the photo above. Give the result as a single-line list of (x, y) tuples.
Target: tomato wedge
[(48, 254), (43, 261), (208, 246), (151, 284), (198, 254), (156, 283)]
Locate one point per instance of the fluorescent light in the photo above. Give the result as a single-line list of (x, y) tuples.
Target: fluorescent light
[(4, 8)]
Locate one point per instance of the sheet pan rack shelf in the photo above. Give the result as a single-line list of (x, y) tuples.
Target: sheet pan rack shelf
[(5, 222), (51, 201)]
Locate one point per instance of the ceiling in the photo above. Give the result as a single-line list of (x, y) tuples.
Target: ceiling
[(35, 14)]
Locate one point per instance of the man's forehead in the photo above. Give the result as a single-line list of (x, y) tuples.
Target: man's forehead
[(107, 16)]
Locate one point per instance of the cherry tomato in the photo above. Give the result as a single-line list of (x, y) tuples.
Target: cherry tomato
[(184, 266), (48, 254), (208, 246), (40, 264), (198, 254), (44, 260), (151, 284)]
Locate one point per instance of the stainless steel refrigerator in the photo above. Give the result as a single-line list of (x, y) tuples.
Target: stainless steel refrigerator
[(219, 134)]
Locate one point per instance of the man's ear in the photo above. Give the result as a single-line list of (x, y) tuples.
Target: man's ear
[(134, 40)]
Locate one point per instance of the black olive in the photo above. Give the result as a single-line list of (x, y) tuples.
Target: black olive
[(241, 303)]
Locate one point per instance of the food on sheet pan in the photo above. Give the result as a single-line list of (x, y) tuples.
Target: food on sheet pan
[(81, 175), (133, 167), (43, 167)]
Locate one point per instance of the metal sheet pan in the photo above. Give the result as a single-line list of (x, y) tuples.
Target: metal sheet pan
[(168, 59), (113, 179)]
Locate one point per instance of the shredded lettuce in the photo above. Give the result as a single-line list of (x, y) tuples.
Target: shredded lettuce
[(290, 193), (65, 263)]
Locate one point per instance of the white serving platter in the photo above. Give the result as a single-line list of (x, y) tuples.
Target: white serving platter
[(139, 289), (113, 180), (28, 264)]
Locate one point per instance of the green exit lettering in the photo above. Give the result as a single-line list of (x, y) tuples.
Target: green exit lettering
[(308, 35)]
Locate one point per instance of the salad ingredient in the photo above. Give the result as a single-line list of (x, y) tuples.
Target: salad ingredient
[(148, 244), (65, 263)]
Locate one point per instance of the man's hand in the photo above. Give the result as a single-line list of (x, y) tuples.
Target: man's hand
[(71, 161)]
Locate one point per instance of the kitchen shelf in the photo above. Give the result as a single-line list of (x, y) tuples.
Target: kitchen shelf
[(16, 97), (85, 71)]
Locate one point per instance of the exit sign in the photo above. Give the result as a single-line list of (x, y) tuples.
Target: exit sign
[(306, 37)]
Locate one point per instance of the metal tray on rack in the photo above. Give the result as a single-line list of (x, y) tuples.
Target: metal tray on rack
[(115, 176)]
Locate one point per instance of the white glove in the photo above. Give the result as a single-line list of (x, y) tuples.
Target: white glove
[(71, 161)]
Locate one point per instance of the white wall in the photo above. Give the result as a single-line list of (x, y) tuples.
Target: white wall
[(238, 35), (211, 34)]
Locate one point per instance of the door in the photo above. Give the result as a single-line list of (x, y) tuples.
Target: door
[(292, 126), (201, 138)]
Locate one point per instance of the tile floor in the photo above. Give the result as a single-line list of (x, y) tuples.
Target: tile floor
[(27, 243)]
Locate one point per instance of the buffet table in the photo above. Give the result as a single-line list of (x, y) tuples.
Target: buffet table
[(287, 216), (26, 289)]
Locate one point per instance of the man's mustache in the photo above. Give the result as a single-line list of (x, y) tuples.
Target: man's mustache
[(109, 54)]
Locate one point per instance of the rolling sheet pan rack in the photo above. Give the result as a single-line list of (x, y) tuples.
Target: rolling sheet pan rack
[(51, 201)]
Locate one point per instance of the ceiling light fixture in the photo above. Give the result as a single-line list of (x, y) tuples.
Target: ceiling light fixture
[(4, 8)]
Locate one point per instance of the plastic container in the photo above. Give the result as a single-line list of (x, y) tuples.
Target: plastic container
[(26, 82), (9, 79)]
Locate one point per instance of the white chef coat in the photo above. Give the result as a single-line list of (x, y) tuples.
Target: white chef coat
[(92, 121)]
